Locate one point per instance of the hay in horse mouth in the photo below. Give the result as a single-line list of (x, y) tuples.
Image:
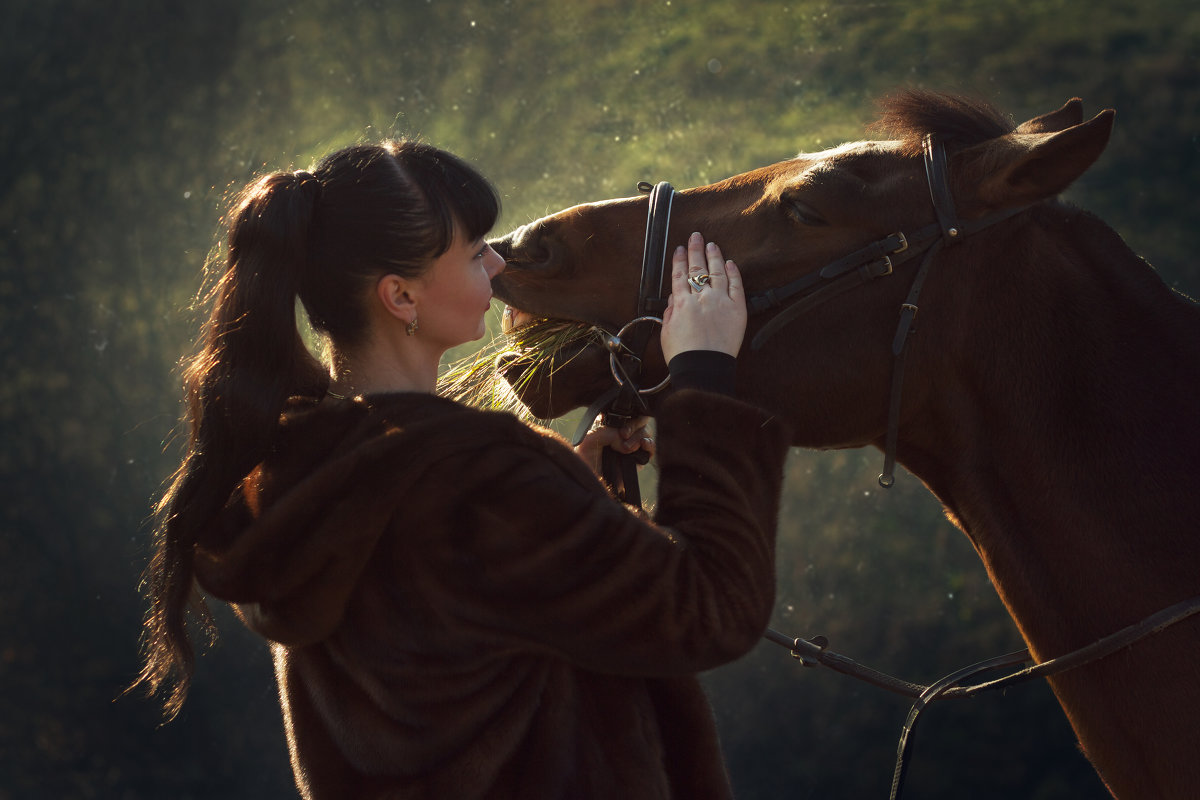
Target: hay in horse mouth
[(533, 339), (515, 321)]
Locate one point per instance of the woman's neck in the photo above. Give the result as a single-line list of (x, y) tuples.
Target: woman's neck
[(376, 369)]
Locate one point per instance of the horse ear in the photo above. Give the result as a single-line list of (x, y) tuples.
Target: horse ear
[(1028, 167), (1070, 115)]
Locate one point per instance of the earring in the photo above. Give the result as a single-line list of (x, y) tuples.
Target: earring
[(411, 330)]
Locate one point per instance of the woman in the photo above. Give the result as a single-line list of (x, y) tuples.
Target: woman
[(457, 606)]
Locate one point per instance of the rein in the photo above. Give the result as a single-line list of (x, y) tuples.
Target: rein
[(812, 653)]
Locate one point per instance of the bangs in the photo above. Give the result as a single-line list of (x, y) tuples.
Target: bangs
[(458, 195)]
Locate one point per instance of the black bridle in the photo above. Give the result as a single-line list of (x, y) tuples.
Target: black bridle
[(877, 259)]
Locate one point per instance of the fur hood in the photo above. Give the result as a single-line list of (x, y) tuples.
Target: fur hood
[(294, 538)]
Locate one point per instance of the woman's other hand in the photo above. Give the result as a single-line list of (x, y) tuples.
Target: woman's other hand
[(707, 313), (629, 438)]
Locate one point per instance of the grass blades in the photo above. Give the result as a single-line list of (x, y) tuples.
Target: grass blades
[(475, 380)]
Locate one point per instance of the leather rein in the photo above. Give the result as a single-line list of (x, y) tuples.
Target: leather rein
[(815, 652)]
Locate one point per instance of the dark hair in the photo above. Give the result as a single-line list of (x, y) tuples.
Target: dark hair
[(323, 237)]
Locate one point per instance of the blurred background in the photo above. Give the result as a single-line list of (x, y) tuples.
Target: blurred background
[(123, 127)]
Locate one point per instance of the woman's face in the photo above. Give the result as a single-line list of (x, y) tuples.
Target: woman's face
[(456, 293)]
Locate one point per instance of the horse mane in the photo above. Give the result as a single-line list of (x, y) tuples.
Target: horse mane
[(958, 121)]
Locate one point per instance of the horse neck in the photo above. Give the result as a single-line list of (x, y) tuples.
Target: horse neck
[(1061, 430)]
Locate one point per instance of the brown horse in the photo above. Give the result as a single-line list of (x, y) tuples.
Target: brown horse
[(1050, 398)]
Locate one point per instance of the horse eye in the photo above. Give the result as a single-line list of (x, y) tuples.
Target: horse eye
[(805, 214)]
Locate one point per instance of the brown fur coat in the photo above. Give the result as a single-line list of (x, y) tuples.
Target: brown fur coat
[(459, 609)]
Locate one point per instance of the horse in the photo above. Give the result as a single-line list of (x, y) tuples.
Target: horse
[(1051, 377)]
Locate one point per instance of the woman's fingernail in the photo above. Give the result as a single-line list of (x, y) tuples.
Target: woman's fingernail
[(711, 246)]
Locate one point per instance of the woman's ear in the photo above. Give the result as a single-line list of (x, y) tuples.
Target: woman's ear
[(396, 297)]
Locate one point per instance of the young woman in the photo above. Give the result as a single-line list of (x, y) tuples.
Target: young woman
[(457, 606)]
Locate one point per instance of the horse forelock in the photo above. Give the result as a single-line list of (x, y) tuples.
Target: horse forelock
[(958, 121)]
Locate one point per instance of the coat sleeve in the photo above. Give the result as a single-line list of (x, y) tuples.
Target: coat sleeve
[(533, 553)]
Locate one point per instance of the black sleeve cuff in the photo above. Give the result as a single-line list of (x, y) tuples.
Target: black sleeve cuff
[(707, 370)]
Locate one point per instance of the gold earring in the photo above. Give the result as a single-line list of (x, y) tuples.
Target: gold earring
[(411, 330)]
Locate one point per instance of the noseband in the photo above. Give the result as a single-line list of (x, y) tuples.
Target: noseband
[(626, 349)]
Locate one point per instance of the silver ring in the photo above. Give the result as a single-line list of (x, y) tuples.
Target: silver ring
[(698, 282), (614, 345)]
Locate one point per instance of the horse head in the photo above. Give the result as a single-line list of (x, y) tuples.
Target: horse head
[(827, 369)]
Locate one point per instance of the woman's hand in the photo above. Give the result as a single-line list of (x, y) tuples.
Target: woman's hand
[(629, 438), (712, 317)]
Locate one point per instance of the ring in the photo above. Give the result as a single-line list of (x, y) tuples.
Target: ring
[(698, 282)]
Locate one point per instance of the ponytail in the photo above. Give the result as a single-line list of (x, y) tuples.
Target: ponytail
[(369, 210), (251, 359)]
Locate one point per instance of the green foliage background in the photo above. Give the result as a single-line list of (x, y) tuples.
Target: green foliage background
[(124, 125)]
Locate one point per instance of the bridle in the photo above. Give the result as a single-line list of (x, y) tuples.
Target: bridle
[(877, 259)]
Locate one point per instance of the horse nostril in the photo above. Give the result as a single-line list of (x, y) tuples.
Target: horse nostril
[(532, 247), (503, 246)]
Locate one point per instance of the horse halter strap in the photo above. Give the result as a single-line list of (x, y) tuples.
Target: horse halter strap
[(623, 401), (876, 260)]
